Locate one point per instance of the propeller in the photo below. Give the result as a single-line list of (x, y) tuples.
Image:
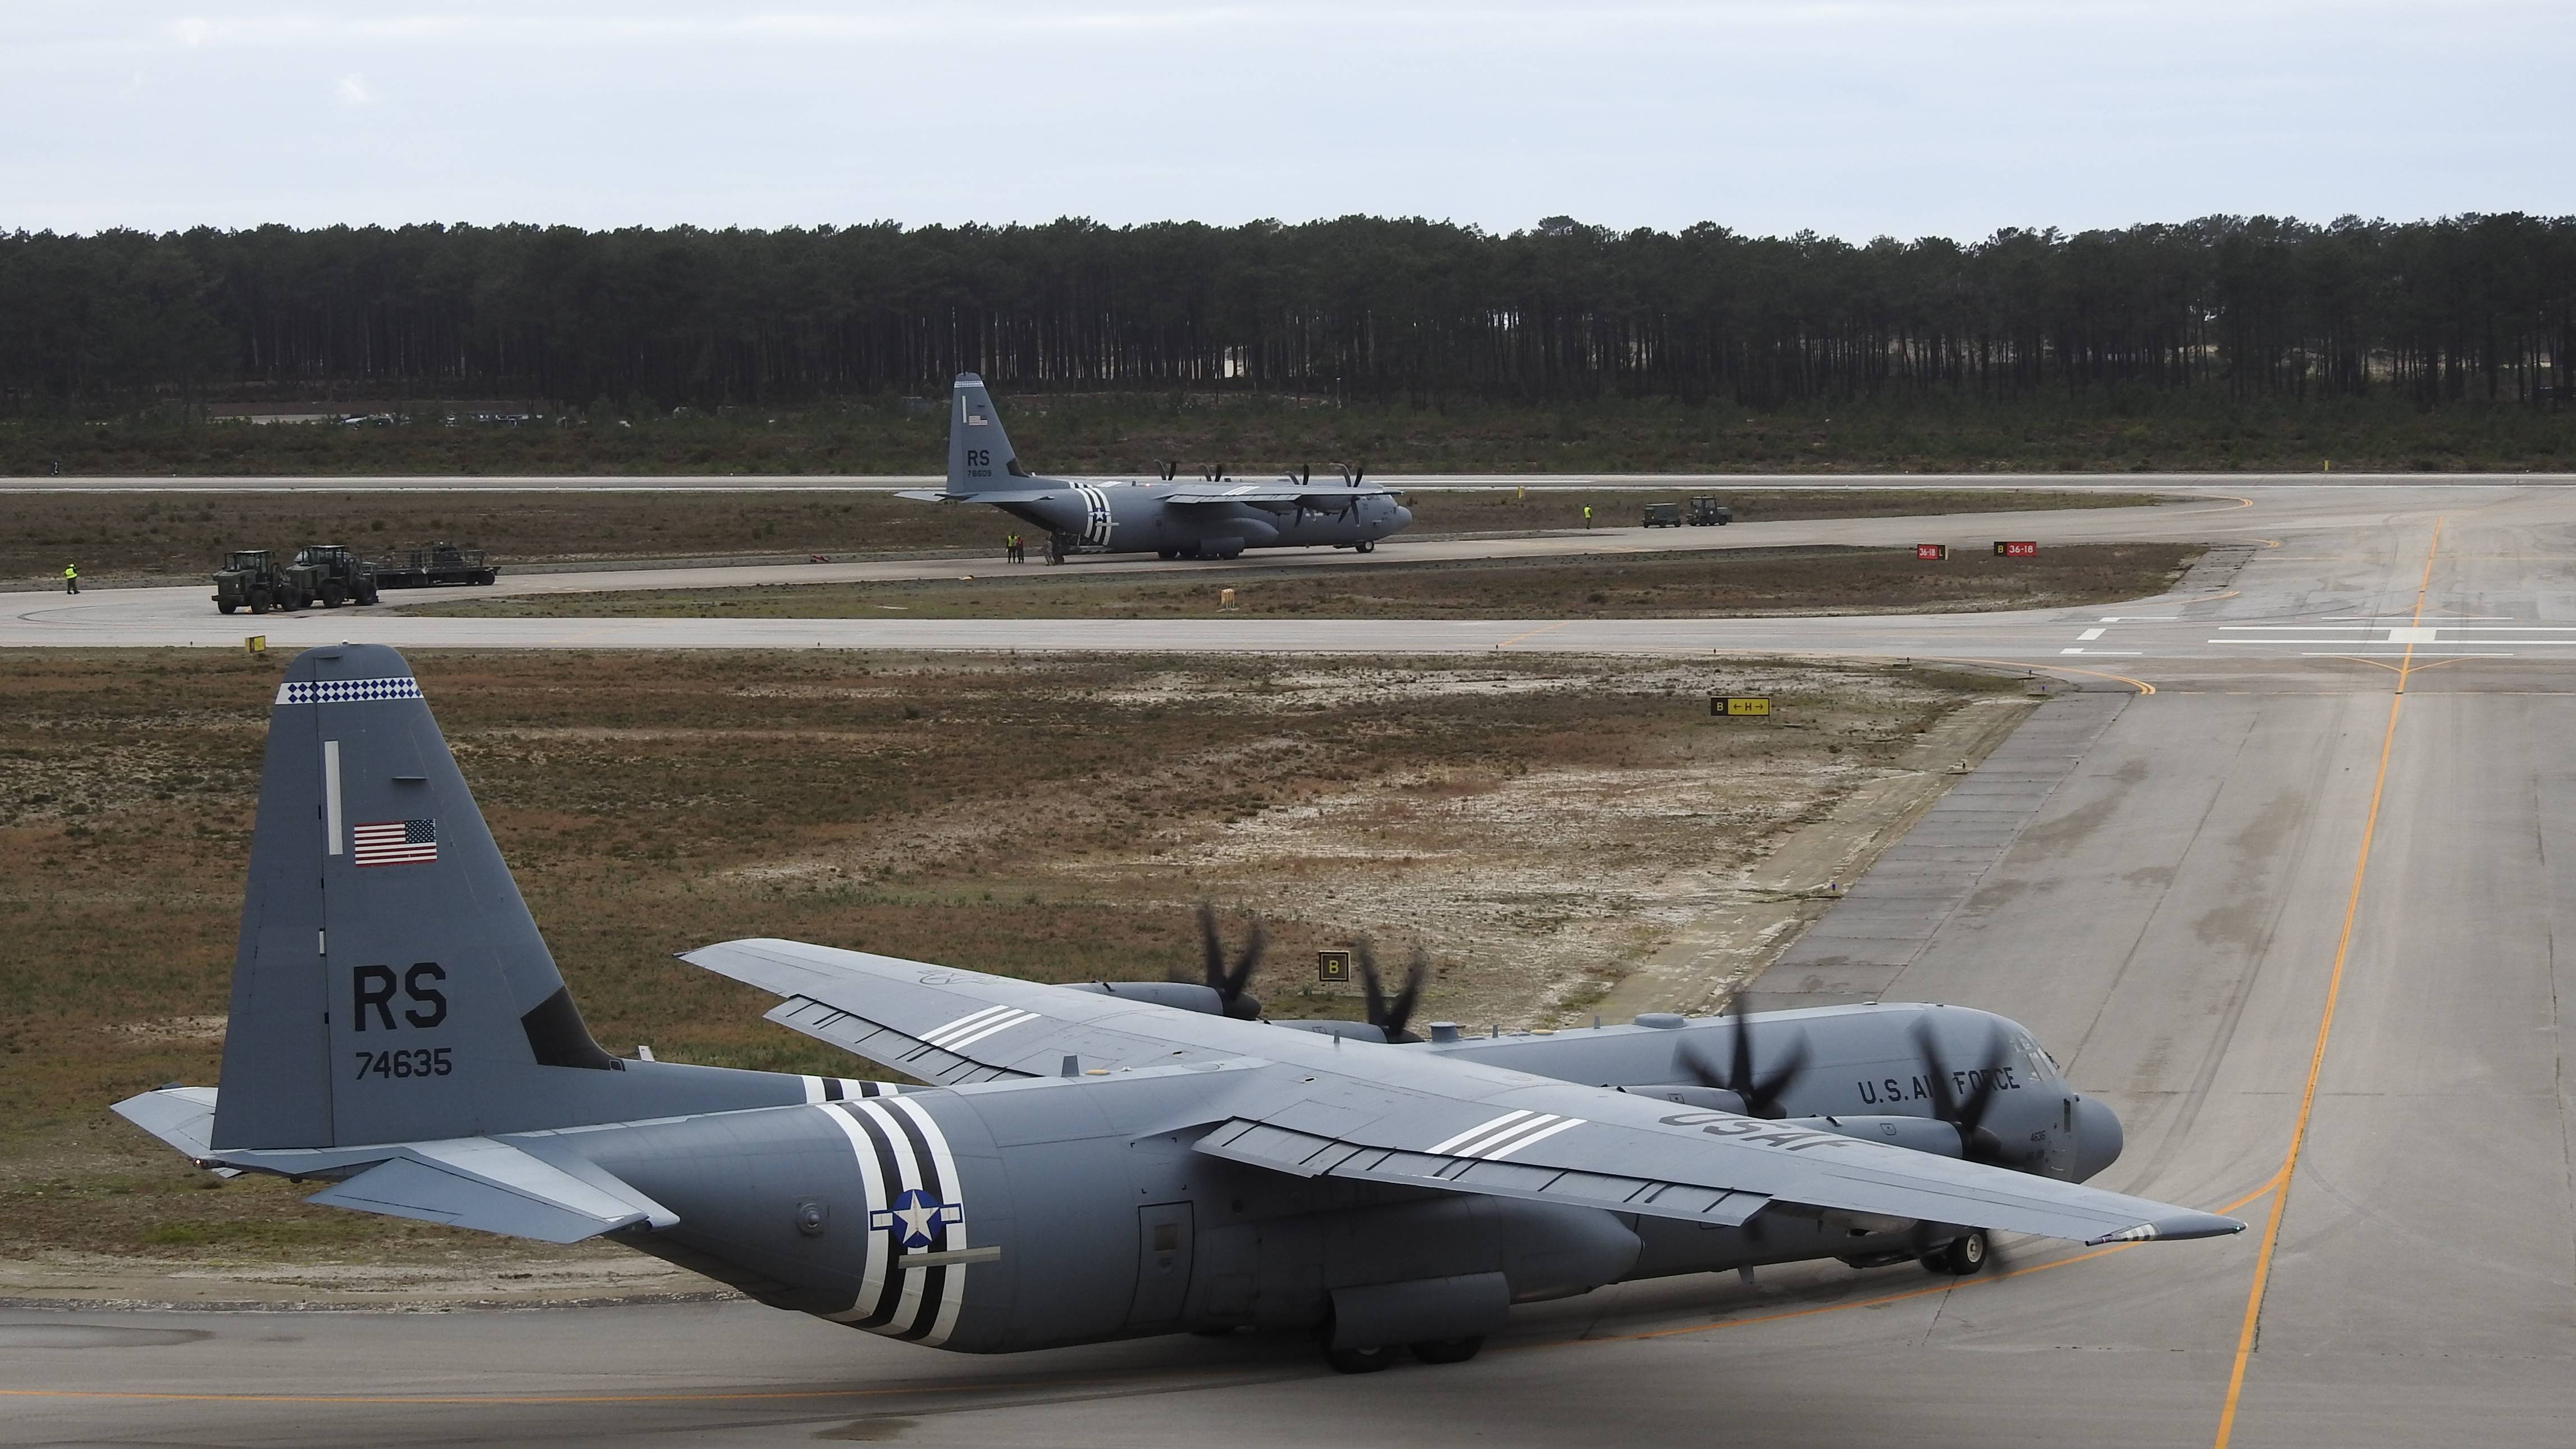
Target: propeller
[(1228, 982), (1967, 1113), (1305, 475), (1169, 468), (1353, 477), (1760, 1089), (1389, 1014)]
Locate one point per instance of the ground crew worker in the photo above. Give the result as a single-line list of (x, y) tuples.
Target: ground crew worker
[(1587, 515), (71, 579), (1011, 549)]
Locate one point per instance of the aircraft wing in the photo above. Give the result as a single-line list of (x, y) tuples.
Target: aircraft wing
[(1273, 495), (944, 1025), (1311, 1105)]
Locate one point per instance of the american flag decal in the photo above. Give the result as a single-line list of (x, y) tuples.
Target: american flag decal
[(394, 842)]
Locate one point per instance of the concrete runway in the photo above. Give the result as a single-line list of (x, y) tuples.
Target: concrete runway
[(2299, 903)]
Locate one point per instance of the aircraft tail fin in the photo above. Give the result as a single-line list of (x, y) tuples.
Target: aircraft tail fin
[(389, 982), (980, 459), (390, 985)]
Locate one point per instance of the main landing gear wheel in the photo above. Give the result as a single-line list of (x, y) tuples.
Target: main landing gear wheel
[(1361, 1360), (1167, 553), (1365, 546), (1447, 1350), (1964, 1257)]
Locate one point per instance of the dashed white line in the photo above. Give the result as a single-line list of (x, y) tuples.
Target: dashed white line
[(2092, 634)]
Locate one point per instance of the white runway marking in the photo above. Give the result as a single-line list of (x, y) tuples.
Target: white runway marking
[(2092, 634)]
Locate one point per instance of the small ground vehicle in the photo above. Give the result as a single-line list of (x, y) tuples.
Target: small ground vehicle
[(432, 565), (251, 580), (340, 577), (1706, 511), (1663, 515)]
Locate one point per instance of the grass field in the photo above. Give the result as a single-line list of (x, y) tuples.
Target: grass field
[(2101, 430), (1691, 585), (124, 536), (1537, 824)]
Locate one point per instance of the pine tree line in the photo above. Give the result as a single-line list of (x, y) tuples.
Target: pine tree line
[(2470, 307)]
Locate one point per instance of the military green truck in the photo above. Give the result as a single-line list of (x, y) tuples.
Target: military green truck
[(251, 580), (1663, 515), (1706, 511), (340, 577), (433, 565)]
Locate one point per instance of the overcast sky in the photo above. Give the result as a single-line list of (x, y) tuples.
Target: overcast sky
[(1768, 116)]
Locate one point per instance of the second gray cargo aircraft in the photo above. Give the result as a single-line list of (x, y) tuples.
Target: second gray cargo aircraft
[(1213, 519), (1083, 1164)]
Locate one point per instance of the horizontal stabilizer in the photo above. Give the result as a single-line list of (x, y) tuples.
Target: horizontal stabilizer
[(183, 1117), (997, 495), (492, 1187)]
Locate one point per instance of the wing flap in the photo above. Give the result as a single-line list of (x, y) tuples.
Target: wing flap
[(1303, 1154), (883, 1045)]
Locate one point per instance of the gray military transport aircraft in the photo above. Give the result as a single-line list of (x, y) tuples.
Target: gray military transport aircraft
[(1213, 518), (1082, 1164)]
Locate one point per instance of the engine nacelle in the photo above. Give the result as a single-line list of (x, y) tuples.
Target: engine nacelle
[(1688, 1094), (1915, 1134), (1179, 995)]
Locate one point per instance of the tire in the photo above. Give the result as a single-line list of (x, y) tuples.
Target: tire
[(1231, 553), (1964, 1257), (485, 577), (1448, 1350), (332, 598), (1361, 1360), (1167, 553), (225, 606), (1365, 546), (367, 594), (260, 601)]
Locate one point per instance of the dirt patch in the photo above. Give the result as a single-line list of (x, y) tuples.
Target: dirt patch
[(1539, 825), (1728, 583)]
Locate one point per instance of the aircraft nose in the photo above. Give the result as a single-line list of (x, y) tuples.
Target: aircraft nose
[(1403, 515), (2098, 1138)]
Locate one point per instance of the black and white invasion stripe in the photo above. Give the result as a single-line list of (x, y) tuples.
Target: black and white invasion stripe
[(974, 1026), (1096, 520), (900, 1148), (837, 1089), (1500, 1137)]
